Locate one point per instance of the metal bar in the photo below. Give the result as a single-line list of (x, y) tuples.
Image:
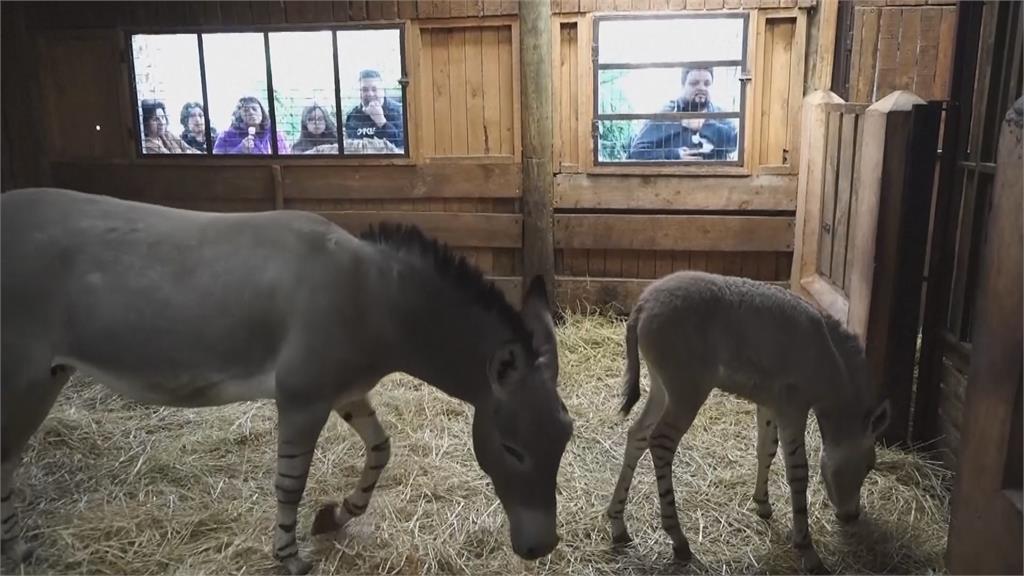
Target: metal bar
[(669, 116), (270, 95), (206, 97), (338, 114), (681, 64)]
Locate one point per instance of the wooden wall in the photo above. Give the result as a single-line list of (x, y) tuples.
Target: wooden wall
[(901, 47), (614, 226)]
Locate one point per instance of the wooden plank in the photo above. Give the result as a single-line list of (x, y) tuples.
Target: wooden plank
[(595, 263), (765, 192), (613, 263), (357, 10), (407, 9), (491, 92), (888, 51), (779, 100), (847, 153), (944, 61), (791, 154), (927, 53), (427, 145), (536, 57), (475, 125), (662, 263), (766, 110), (425, 8), (389, 10), (865, 80), (506, 93), (857, 30), (854, 192), (457, 90), (432, 180), (663, 232), (374, 10), (572, 142), (828, 198), (616, 295), (338, 9), (455, 229), (162, 183), (645, 264), (985, 524), (295, 12), (828, 14), (442, 97), (813, 128), (910, 33), (557, 90)]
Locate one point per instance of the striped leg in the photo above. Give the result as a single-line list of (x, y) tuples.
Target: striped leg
[(636, 445), (25, 404), (795, 456), (361, 416), (767, 446), (13, 547), (299, 428), (665, 437)]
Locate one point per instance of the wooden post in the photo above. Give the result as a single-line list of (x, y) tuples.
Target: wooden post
[(828, 11), (985, 524), (809, 189), (887, 268), (538, 177)]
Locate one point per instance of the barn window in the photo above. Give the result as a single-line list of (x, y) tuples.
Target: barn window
[(302, 92), (669, 89)]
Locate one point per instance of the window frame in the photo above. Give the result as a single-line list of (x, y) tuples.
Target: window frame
[(672, 166), (406, 157)]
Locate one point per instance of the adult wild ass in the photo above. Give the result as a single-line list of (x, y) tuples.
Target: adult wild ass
[(700, 331), (180, 308)]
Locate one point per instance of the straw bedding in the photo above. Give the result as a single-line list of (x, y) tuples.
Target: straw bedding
[(113, 487)]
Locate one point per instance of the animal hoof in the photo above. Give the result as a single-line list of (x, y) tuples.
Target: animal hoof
[(622, 539), (682, 553), (297, 565), (19, 552), (812, 564), (326, 519), (764, 513)]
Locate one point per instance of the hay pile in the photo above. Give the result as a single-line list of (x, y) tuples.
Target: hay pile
[(112, 487)]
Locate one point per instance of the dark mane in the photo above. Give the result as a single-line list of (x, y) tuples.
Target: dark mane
[(463, 276)]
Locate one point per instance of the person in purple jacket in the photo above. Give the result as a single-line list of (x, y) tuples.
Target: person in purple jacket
[(249, 132)]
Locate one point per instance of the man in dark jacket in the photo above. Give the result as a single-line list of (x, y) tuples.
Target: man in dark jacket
[(376, 116), (689, 138)]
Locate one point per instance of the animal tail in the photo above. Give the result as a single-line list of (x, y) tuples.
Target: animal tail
[(631, 379)]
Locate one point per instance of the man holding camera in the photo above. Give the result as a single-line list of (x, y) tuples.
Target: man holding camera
[(689, 138)]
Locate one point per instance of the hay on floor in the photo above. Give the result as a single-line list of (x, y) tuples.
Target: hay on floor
[(112, 487)]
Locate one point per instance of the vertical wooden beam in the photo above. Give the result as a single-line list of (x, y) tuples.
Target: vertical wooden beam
[(961, 75), (813, 129), (828, 12), (888, 184), (538, 179), (985, 524)]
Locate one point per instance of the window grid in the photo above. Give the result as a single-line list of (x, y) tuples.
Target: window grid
[(403, 83), (600, 117)]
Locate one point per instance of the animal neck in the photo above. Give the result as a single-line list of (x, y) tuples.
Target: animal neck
[(441, 335)]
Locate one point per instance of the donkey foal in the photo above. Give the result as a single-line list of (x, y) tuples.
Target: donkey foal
[(700, 331)]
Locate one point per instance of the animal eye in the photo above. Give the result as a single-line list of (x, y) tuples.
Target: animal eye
[(514, 452)]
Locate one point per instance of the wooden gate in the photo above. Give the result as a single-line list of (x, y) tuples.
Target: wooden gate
[(865, 182)]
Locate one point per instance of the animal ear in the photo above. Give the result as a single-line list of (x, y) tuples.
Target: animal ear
[(506, 366), (537, 316), (880, 418)]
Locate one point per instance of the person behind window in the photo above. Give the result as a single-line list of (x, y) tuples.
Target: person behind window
[(317, 129), (249, 132), (689, 138), (376, 116), (156, 138), (193, 122)]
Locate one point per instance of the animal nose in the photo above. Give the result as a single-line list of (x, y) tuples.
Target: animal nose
[(536, 551), (848, 517)]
